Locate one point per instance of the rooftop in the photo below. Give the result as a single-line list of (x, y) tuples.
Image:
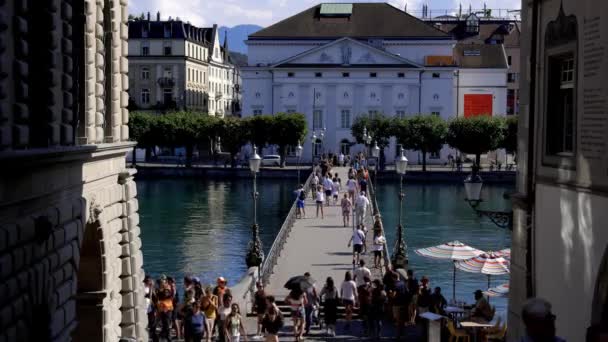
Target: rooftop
[(355, 20)]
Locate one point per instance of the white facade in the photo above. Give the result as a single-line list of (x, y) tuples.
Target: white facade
[(339, 80), (489, 82)]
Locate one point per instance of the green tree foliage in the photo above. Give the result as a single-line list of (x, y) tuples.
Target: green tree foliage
[(475, 135), (287, 129), (233, 133), (259, 129), (379, 126), (143, 129), (509, 141), (184, 129), (425, 133)]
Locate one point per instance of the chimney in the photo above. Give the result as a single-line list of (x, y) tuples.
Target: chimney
[(148, 16), (158, 16)]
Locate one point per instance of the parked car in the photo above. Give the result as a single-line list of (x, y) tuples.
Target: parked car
[(271, 160)]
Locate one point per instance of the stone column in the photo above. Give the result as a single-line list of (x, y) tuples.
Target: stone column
[(67, 114), (134, 317), (20, 130), (99, 74), (90, 56), (124, 69), (5, 76)]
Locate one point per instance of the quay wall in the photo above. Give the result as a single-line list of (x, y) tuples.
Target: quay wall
[(450, 177)]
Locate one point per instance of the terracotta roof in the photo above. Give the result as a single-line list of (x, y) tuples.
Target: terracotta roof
[(479, 56), (366, 21)]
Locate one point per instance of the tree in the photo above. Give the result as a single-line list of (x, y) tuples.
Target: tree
[(286, 130), (184, 129), (259, 129), (379, 127), (475, 135), (233, 132), (509, 141), (142, 128), (425, 133)]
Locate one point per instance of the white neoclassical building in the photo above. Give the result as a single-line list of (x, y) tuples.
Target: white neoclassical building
[(335, 62)]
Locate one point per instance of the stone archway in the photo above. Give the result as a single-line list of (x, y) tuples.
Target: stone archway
[(599, 310), (91, 285)]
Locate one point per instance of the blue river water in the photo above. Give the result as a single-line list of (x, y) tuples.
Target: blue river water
[(202, 227)]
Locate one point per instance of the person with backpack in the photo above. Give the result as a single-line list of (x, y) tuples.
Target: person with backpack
[(300, 202)]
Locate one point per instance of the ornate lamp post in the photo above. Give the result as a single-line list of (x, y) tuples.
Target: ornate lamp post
[(472, 188), (400, 251), (255, 254), (375, 155), (299, 155), (313, 141)]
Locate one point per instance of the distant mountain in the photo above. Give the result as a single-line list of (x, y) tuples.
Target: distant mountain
[(239, 59), (237, 36)]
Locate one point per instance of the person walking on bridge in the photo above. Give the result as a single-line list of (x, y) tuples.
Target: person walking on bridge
[(348, 293), (311, 300), (328, 186), (330, 297), (346, 205), (358, 240), (320, 199), (361, 205)]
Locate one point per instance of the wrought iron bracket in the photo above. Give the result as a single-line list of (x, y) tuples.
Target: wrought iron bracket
[(502, 219)]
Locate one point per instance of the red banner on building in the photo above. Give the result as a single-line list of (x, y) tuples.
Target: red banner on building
[(477, 104)]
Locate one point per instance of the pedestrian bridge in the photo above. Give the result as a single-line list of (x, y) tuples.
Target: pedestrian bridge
[(314, 245)]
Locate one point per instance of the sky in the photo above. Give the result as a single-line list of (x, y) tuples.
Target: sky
[(266, 12)]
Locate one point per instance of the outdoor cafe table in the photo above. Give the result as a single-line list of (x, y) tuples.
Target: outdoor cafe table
[(454, 311), (474, 326)]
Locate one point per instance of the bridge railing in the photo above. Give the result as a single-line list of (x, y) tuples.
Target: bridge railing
[(277, 246), (372, 191)]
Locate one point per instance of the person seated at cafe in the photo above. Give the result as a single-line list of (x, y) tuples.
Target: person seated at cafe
[(438, 302), (482, 311)]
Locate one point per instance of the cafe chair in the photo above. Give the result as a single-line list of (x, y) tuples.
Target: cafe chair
[(457, 335), (498, 335)]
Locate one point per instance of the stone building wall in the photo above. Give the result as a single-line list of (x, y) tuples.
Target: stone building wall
[(70, 259)]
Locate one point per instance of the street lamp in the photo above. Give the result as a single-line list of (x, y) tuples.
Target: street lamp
[(299, 154), (375, 155), (400, 251), (313, 140), (255, 254), (472, 187)]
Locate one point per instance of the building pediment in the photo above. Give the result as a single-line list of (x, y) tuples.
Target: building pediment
[(346, 52)]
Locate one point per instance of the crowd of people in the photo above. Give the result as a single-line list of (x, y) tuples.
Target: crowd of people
[(202, 314)]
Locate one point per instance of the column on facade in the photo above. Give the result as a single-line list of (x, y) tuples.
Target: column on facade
[(100, 61), (134, 317), (277, 103), (175, 75), (6, 73), (159, 91), (124, 71), (53, 84), (90, 57), (387, 99), (305, 107), (113, 115), (331, 119)]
